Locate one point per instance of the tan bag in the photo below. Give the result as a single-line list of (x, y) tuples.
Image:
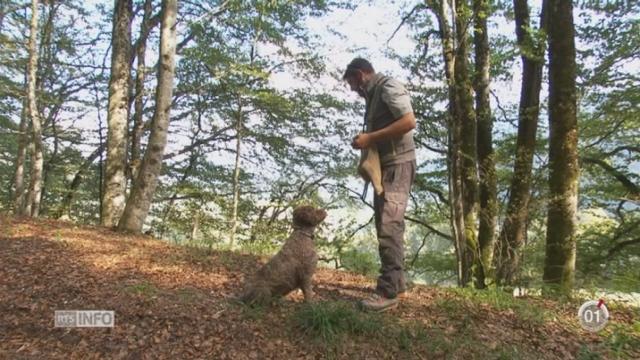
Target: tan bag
[(370, 169)]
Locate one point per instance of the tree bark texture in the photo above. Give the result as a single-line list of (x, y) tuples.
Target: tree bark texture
[(466, 117), (141, 196), (19, 195), (486, 160), (115, 181), (236, 178), (138, 123), (443, 12), (560, 254), (37, 159), (513, 233)]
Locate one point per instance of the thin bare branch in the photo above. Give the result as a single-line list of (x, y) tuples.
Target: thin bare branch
[(621, 246), (434, 230), (405, 19), (633, 189)]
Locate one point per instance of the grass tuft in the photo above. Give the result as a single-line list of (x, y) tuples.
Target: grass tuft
[(499, 300), (330, 321), (145, 289)]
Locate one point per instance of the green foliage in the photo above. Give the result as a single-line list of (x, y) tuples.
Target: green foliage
[(8, 149), (414, 336), (144, 289), (609, 127), (255, 312), (608, 124), (601, 261), (261, 248), (535, 44), (587, 354), (225, 76), (621, 339), (504, 56), (429, 257), (361, 262), (497, 299), (331, 322), (65, 72)]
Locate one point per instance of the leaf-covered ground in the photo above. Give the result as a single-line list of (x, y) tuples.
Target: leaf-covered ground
[(172, 302)]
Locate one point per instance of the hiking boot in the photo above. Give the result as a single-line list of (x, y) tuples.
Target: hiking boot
[(379, 303)]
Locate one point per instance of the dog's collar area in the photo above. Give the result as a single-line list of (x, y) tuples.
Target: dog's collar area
[(304, 231)]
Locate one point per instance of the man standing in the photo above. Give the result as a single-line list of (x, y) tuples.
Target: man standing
[(389, 122)]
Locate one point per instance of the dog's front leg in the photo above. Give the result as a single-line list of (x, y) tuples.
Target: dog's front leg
[(306, 289)]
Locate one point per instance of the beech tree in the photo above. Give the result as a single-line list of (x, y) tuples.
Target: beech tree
[(560, 254), (115, 183), (32, 206), (139, 201), (532, 50)]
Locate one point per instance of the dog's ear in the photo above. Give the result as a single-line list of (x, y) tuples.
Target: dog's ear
[(308, 215)]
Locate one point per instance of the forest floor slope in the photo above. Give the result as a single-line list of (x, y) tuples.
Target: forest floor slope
[(173, 302)]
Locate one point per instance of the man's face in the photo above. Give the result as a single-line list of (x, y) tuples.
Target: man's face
[(356, 83)]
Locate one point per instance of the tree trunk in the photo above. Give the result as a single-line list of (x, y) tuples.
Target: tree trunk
[(37, 161), (115, 181), (454, 160), (560, 257), (18, 182), (48, 167), (466, 119), (236, 179), (513, 233), (102, 144), (138, 123), (195, 228), (486, 162), (185, 175), (53, 105), (63, 211), (139, 202)]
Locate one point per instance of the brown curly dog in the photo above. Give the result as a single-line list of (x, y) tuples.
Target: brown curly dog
[(292, 267)]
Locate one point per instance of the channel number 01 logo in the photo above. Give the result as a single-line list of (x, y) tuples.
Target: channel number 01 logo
[(593, 315)]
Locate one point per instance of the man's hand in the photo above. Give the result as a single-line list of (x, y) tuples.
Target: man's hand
[(399, 127), (362, 141)]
